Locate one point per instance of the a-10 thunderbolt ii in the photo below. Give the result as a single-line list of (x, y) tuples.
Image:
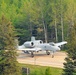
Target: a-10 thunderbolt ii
[(38, 45)]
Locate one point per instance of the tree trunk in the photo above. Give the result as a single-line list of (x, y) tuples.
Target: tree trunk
[(56, 29), (45, 30), (62, 22)]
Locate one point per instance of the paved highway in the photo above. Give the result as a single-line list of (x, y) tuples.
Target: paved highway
[(42, 59)]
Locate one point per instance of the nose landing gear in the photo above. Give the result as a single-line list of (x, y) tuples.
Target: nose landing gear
[(53, 54)]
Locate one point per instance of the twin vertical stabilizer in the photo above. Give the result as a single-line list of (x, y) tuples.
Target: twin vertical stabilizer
[(32, 38)]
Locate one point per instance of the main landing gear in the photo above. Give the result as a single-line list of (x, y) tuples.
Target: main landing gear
[(47, 52), (32, 54)]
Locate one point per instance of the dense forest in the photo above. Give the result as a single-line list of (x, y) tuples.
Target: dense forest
[(49, 20)]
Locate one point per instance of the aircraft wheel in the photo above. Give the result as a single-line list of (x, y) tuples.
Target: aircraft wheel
[(52, 56), (48, 53), (32, 54)]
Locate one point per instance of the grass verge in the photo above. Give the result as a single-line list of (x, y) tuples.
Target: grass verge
[(40, 70)]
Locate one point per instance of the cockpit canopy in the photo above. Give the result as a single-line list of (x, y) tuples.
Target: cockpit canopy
[(52, 43)]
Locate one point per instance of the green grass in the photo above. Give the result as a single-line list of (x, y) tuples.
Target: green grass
[(40, 70)]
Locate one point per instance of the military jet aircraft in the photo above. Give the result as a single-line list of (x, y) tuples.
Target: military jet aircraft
[(38, 45)]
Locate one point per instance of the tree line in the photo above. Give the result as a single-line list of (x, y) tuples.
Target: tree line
[(50, 18)]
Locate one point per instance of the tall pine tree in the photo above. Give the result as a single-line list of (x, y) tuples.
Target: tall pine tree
[(8, 62), (70, 65)]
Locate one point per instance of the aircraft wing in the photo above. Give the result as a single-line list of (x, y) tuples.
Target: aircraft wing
[(61, 43), (31, 49)]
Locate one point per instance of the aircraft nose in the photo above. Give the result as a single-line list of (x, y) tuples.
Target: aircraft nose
[(58, 49)]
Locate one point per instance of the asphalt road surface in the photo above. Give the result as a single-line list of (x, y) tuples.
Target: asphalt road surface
[(42, 59)]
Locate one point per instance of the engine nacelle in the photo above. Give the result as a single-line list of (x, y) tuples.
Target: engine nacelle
[(28, 44), (37, 42), (31, 44)]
